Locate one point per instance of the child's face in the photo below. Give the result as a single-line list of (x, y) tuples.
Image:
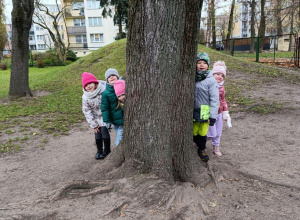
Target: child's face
[(202, 65), (112, 79), (121, 98), (90, 87), (219, 77)]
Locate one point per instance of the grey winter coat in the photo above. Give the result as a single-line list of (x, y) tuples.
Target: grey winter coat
[(206, 103), (91, 105)]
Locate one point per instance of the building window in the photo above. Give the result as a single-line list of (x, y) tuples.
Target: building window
[(79, 22), (84, 53), (95, 21), (80, 38), (41, 46), (39, 28), (32, 47), (40, 37), (77, 5), (96, 37), (31, 37), (93, 4)]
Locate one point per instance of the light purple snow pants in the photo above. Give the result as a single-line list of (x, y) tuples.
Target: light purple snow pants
[(215, 132)]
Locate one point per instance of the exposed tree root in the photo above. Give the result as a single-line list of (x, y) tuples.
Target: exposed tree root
[(116, 211), (81, 184), (212, 174)]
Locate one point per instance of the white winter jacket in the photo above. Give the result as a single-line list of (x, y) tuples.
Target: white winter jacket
[(91, 105)]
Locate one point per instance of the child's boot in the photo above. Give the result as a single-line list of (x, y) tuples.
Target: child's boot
[(106, 147), (217, 151), (99, 154), (201, 143)]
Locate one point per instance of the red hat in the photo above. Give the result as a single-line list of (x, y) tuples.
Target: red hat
[(119, 87), (88, 78)]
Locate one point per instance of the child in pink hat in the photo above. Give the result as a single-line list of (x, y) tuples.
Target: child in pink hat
[(91, 103), (215, 131), (119, 87)]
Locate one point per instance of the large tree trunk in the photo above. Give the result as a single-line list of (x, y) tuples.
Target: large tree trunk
[(230, 24), (252, 45), (21, 23), (161, 55), (262, 25)]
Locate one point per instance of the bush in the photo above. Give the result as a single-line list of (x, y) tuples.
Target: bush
[(118, 37), (3, 66), (48, 62), (71, 55), (40, 64)]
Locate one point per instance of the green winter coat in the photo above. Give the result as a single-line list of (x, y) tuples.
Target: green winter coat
[(109, 103)]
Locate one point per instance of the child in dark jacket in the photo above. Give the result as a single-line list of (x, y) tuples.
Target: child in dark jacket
[(206, 103), (91, 101), (109, 103)]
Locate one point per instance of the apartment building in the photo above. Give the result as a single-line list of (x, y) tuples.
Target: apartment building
[(86, 29)]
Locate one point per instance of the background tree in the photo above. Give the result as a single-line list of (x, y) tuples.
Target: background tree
[(252, 27), (230, 24), (21, 23), (162, 41), (121, 15), (278, 17), (262, 25), (50, 21), (213, 24), (3, 32), (208, 28), (292, 24)]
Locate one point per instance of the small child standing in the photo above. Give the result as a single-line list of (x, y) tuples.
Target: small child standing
[(112, 114), (91, 102), (119, 87), (206, 103), (215, 132)]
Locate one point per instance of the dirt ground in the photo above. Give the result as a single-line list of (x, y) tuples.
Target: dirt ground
[(258, 176)]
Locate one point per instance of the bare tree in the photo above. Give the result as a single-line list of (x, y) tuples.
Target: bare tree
[(252, 28), (50, 21), (278, 17), (213, 24), (262, 25), (3, 32), (208, 29), (230, 24), (21, 24)]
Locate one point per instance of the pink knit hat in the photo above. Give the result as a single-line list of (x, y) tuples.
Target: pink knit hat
[(219, 67), (88, 78), (119, 87)]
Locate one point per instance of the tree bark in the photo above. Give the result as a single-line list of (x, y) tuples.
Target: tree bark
[(262, 25), (161, 55), (252, 45), (292, 26), (21, 24), (230, 24)]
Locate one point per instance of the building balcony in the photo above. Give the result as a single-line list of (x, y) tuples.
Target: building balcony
[(74, 13), (78, 45), (76, 30), (32, 42)]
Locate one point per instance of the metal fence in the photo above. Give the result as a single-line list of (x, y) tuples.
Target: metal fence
[(282, 50)]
